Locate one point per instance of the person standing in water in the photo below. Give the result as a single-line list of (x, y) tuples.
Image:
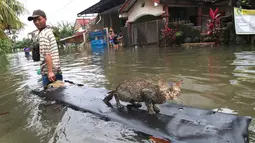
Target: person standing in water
[(48, 49), (27, 50), (113, 39)]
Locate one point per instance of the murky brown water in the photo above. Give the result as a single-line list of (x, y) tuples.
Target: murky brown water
[(213, 78)]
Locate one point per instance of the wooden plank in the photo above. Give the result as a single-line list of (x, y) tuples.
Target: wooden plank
[(175, 122)]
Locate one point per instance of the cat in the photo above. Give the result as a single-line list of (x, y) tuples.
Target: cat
[(141, 90)]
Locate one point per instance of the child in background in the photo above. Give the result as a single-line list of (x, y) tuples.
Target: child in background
[(111, 36)]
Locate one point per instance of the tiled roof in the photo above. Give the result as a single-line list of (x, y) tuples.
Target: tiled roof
[(83, 22)]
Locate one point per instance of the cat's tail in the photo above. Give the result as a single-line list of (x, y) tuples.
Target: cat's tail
[(109, 96)]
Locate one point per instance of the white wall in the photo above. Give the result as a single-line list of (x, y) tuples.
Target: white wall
[(149, 9)]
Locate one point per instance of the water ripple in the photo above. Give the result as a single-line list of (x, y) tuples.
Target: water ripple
[(212, 80)]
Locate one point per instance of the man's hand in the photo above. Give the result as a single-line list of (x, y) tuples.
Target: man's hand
[(51, 76)]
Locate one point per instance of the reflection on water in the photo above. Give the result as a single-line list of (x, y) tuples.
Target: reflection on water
[(244, 67), (214, 78)]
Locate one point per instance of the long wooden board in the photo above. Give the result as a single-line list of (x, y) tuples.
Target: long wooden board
[(175, 122)]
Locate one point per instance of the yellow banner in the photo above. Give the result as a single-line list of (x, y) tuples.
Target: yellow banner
[(241, 11), (244, 21)]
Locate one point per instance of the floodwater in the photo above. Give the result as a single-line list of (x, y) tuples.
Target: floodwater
[(214, 78)]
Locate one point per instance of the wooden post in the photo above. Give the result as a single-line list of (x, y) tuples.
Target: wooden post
[(111, 20), (146, 36), (166, 15), (107, 38), (84, 37), (103, 21), (199, 18), (158, 34), (129, 33)]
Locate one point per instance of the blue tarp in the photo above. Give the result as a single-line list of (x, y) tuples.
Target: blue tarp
[(178, 123)]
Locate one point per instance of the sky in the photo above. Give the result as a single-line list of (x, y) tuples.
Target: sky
[(56, 11)]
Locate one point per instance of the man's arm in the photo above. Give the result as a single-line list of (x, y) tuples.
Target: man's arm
[(52, 50), (46, 51), (48, 60), (45, 48)]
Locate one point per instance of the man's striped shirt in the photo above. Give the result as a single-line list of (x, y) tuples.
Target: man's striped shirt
[(48, 45)]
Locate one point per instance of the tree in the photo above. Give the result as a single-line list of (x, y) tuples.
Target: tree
[(63, 29), (25, 42), (9, 20), (10, 23), (5, 45)]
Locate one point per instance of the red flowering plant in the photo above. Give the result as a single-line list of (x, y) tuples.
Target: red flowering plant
[(168, 36), (213, 24)]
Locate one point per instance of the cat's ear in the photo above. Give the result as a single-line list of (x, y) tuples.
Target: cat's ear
[(179, 83), (160, 83)]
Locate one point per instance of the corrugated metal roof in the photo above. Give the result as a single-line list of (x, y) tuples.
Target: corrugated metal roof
[(102, 6), (127, 5)]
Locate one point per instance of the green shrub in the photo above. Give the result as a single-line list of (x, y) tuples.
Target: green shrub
[(5, 45)]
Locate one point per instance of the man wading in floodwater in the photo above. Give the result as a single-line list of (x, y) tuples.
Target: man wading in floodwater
[(49, 56)]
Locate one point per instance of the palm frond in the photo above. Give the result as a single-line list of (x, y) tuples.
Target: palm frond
[(9, 12)]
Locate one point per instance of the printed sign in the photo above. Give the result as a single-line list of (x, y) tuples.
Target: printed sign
[(244, 21)]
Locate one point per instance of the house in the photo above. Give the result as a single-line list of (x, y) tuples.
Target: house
[(145, 18), (136, 11), (172, 10), (108, 15), (80, 28), (77, 38), (81, 23)]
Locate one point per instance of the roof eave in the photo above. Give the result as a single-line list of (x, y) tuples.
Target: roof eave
[(102, 6), (127, 6)]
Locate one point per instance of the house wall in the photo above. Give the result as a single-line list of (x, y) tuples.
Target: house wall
[(192, 14), (112, 20), (116, 22), (182, 13), (253, 4), (147, 18), (77, 26), (78, 39), (149, 9)]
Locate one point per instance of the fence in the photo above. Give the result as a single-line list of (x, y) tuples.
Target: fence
[(142, 33), (149, 32)]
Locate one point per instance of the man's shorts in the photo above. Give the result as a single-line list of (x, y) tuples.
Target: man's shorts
[(27, 54), (46, 81)]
